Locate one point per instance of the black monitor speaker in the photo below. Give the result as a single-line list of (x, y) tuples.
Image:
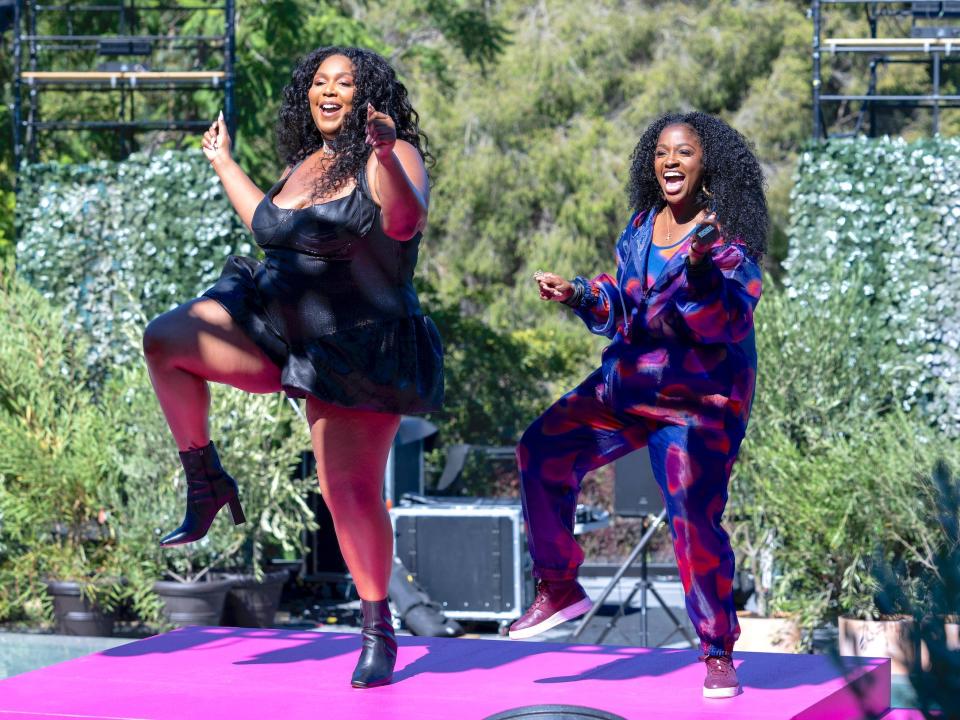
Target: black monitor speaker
[(635, 491)]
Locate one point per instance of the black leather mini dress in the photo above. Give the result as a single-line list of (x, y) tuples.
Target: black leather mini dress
[(333, 305)]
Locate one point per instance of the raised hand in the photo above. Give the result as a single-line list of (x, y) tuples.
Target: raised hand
[(216, 142), (552, 286), (699, 248), (381, 131)]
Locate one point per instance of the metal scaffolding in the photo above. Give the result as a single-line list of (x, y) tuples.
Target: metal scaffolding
[(933, 39), (127, 73)]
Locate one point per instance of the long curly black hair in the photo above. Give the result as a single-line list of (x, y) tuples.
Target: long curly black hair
[(731, 175), (374, 82)]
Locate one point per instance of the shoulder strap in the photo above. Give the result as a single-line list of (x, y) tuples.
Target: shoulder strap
[(294, 168), (362, 181)]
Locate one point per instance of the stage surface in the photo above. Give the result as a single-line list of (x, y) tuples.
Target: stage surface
[(214, 673)]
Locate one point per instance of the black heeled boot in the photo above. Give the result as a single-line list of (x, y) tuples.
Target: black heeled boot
[(379, 653), (209, 488)]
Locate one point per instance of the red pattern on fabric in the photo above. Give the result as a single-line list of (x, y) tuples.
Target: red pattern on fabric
[(679, 374), (678, 469)]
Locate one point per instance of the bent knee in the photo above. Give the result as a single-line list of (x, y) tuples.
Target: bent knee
[(532, 446), (155, 342), (162, 337), (532, 438)]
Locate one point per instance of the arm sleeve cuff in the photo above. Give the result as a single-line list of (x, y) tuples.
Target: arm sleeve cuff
[(597, 307), (583, 297), (701, 277)]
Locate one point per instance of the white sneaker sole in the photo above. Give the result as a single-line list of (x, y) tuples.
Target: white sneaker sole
[(721, 692), (568, 613)]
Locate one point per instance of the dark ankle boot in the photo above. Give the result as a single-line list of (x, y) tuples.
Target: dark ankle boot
[(379, 653), (209, 488)]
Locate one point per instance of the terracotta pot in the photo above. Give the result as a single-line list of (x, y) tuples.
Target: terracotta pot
[(767, 634), (878, 638)]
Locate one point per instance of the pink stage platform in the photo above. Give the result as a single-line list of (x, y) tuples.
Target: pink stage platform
[(212, 673)]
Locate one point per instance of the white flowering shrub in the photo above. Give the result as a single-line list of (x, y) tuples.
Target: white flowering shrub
[(886, 211), (113, 241)]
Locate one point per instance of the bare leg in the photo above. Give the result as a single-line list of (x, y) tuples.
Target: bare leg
[(351, 447), (192, 344)]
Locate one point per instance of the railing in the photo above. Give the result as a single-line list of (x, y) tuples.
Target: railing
[(33, 49), (933, 45)]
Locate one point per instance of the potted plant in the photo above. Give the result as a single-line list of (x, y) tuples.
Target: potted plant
[(763, 628), (806, 504), (838, 507), (259, 438), (930, 597), (915, 587), (56, 479), (835, 506)]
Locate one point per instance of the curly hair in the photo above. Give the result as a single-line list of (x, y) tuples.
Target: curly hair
[(731, 175), (376, 83)]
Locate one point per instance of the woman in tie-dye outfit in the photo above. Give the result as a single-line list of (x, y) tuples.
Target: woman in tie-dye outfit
[(677, 377)]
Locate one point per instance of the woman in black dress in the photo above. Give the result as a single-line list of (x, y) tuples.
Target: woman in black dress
[(330, 314)]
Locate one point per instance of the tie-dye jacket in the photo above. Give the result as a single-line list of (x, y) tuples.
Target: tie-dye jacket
[(683, 350)]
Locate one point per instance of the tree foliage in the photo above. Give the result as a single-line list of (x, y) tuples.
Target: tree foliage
[(532, 110)]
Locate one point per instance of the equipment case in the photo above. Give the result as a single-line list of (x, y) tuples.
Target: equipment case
[(471, 557)]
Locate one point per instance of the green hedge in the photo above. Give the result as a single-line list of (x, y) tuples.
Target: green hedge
[(887, 211), (108, 240)]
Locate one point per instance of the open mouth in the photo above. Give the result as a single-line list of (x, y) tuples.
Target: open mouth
[(329, 109), (673, 181)]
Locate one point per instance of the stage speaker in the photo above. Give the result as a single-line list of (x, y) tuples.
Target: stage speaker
[(635, 491), (470, 556)]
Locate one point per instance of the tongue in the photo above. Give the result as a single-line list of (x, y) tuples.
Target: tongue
[(674, 184)]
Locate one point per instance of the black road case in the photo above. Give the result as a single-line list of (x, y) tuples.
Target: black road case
[(469, 557)]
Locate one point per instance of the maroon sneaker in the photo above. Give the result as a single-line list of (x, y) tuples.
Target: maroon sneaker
[(556, 602), (721, 681)]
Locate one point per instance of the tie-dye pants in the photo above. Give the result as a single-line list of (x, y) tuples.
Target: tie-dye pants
[(691, 463)]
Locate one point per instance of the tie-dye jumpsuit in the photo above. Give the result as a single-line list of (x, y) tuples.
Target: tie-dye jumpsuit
[(677, 377)]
